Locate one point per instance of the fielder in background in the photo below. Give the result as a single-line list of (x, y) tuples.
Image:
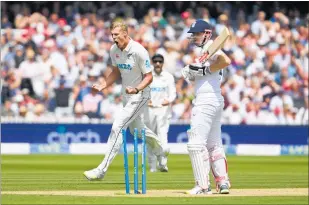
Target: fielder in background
[(159, 112), (204, 137), (131, 61)]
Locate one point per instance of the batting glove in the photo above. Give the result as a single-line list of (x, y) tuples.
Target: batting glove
[(186, 74), (199, 69)]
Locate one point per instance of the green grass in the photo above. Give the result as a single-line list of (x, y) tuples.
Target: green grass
[(17, 199), (64, 172)]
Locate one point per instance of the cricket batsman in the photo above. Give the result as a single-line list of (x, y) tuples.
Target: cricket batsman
[(204, 137), (131, 62), (158, 115)]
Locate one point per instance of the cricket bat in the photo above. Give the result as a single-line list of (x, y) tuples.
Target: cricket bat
[(217, 44)]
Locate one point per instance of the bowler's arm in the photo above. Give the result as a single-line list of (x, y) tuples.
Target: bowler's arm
[(113, 76), (147, 79), (143, 61), (110, 79)]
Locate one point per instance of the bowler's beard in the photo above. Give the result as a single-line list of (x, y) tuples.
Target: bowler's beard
[(158, 71)]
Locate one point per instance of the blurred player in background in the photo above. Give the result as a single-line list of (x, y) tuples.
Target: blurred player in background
[(158, 114), (204, 137), (130, 60)]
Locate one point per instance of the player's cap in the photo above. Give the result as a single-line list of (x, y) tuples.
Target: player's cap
[(158, 57), (199, 26)]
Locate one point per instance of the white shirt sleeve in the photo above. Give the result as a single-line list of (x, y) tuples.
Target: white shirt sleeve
[(171, 89), (112, 54), (144, 61)]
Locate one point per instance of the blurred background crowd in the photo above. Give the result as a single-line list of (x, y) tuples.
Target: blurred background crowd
[(52, 52)]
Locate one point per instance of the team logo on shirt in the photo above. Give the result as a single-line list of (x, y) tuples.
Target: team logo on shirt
[(158, 89), (117, 55), (147, 64), (129, 55), (124, 66)]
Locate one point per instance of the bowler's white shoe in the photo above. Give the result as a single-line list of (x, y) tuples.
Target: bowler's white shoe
[(163, 168), (199, 190), (94, 174)]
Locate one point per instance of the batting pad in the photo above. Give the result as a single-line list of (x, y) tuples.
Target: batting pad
[(199, 160), (219, 165)]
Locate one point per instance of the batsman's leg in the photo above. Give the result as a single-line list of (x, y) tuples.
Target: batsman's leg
[(217, 155), (201, 122), (200, 164)]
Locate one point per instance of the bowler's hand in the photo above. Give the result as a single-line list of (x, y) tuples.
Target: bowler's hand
[(130, 90)]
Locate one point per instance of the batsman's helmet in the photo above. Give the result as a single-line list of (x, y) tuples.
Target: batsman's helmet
[(199, 26)]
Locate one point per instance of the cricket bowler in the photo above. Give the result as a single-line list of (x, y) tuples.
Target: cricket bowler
[(131, 62)]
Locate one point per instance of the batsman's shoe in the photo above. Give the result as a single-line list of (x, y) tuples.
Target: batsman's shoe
[(94, 174), (199, 190), (224, 189)]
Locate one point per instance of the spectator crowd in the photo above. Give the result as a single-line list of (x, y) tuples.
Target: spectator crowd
[(49, 61)]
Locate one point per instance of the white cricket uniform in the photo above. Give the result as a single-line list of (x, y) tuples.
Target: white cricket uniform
[(158, 118), (133, 62), (206, 127)]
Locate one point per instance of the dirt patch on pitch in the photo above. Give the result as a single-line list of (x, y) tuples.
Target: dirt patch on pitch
[(168, 193)]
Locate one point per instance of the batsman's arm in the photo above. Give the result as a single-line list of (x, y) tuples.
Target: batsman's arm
[(221, 62)]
